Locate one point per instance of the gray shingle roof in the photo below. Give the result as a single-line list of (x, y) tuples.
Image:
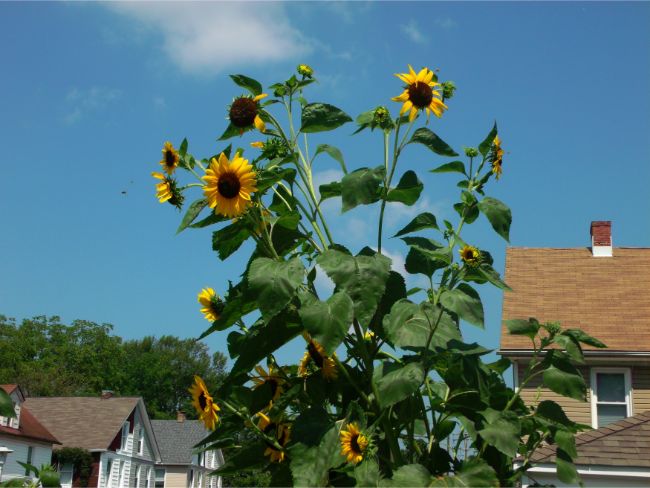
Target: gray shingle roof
[(176, 440)]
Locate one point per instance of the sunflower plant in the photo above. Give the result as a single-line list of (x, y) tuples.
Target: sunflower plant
[(387, 392)]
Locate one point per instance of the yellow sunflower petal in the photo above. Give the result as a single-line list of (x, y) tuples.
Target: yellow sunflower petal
[(260, 96), (259, 124)]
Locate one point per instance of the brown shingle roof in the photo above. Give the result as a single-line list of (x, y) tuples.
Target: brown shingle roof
[(29, 425), (607, 297), (9, 388), (623, 443), (87, 422)]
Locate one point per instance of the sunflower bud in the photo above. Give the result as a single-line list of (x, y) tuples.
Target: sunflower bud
[(448, 89), (553, 328), (381, 118), (273, 148), (305, 70), (471, 152)]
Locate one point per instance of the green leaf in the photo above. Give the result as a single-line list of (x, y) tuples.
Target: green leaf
[(310, 465), (213, 218), (246, 458), (488, 273), (453, 167), (398, 384), (327, 322), (550, 410), (484, 147), (6, 405), (231, 131), (408, 189), (465, 302), (270, 177), (247, 83), (310, 426), (330, 190), (571, 346), (227, 240), (362, 277), (182, 150), (583, 337), (409, 476), (319, 117), (563, 378), (502, 430), (334, 152), (425, 220), (523, 327), (410, 326), (239, 302), (361, 187), (566, 441), (566, 470), (367, 473), (364, 120), (472, 472), (275, 283), (192, 212), (432, 141), (498, 214), (425, 256)]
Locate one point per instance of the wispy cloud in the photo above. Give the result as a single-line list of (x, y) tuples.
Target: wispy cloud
[(81, 102), (445, 23), (414, 33), (206, 37)]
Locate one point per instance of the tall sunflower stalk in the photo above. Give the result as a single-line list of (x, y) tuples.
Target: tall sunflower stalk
[(387, 390)]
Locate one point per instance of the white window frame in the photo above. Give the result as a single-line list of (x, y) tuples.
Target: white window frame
[(140, 440), (124, 443), (64, 469), (138, 475), (149, 480), (594, 391), (109, 472)]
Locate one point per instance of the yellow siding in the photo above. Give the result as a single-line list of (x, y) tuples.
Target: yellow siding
[(640, 389), (175, 477)]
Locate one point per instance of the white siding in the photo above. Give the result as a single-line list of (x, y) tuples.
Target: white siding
[(41, 454)]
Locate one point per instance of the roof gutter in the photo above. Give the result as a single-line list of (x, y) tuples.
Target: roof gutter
[(526, 353)]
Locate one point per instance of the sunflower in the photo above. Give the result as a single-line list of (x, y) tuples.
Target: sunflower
[(212, 304), (204, 404), (244, 113), (316, 353), (167, 191), (170, 159), (353, 443), (272, 378), (497, 157), (419, 94), (280, 431), (229, 184), (305, 70), (369, 335), (470, 256)]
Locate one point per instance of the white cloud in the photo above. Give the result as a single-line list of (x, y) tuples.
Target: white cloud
[(81, 102), (445, 23), (206, 37), (413, 32)]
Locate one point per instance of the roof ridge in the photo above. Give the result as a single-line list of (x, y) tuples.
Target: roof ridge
[(633, 420)]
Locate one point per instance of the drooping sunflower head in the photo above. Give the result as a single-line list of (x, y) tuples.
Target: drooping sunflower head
[(204, 404), (305, 70), (170, 159), (272, 148), (229, 184), (470, 255), (317, 356), (272, 378), (496, 157), (419, 93), (212, 304), (167, 190), (280, 431), (353, 443), (244, 113)]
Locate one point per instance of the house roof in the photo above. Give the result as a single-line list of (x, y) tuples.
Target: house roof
[(86, 422), (623, 443), (30, 427), (600, 295), (176, 440)]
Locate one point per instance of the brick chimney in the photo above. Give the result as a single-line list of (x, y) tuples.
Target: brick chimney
[(106, 394), (180, 416), (601, 238)]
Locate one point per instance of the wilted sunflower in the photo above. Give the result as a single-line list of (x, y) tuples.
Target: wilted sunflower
[(204, 404), (316, 353), (166, 190), (229, 184), (497, 157), (212, 304), (419, 93), (353, 443), (170, 159), (244, 113), (470, 256), (272, 378), (280, 431)]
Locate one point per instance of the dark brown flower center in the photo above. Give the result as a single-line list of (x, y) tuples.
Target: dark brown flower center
[(315, 356), (203, 402), (170, 159), (420, 94), (274, 385), (469, 254), (354, 444), (228, 185), (243, 112)]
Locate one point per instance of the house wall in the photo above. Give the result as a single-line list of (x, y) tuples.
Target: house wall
[(41, 454), (175, 476), (581, 411)]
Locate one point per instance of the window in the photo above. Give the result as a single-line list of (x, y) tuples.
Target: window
[(160, 478), (190, 478), (121, 482), (610, 395), (199, 479), (125, 435), (140, 440), (15, 422), (66, 473), (149, 480), (202, 458), (107, 474), (138, 475), (30, 453)]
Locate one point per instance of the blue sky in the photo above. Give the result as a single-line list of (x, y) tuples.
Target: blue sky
[(89, 93)]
